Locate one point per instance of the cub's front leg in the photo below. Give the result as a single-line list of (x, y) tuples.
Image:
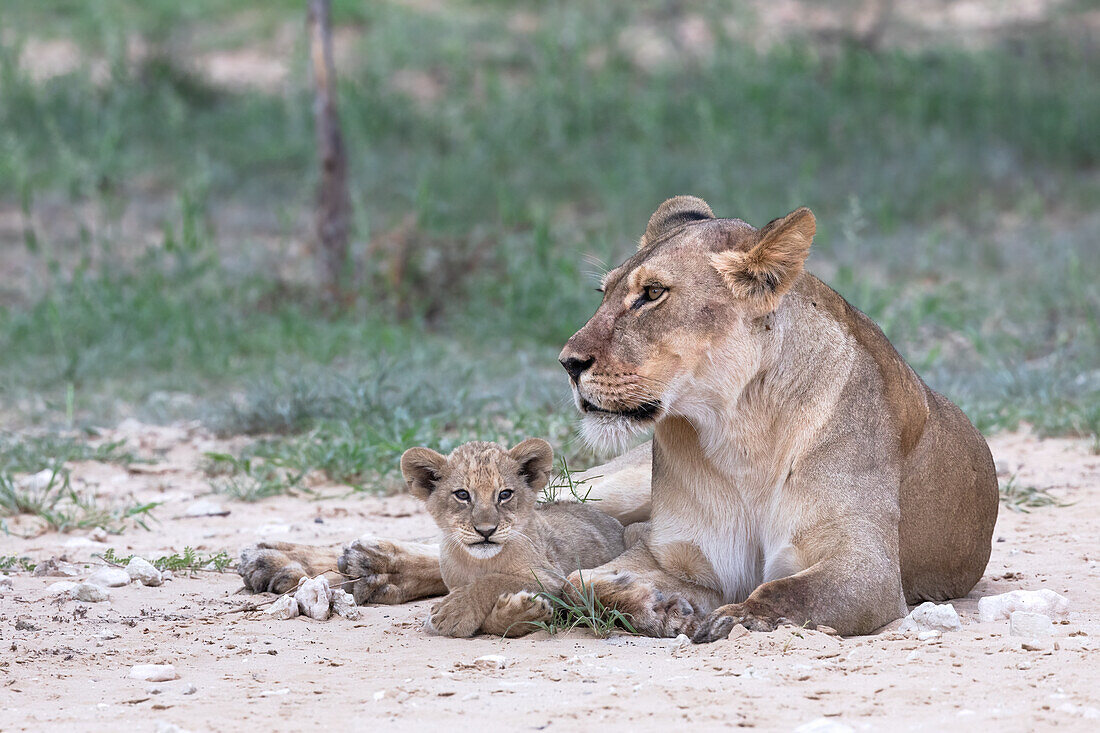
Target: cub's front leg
[(467, 608)]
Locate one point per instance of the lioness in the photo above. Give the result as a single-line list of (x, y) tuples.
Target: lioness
[(799, 468), (500, 546)]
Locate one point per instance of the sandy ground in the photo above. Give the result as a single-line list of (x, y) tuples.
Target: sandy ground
[(240, 671)]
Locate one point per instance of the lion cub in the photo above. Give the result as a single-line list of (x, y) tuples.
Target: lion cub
[(500, 547)]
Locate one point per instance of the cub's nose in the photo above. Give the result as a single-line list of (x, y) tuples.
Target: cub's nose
[(576, 366), (486, 532)]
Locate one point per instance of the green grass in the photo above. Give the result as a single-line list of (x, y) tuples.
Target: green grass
[(188, 561), (17, 562), (954, 189), (583, 610), (63, 508), (563, 481)]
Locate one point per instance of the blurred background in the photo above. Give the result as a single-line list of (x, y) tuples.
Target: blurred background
[(158, 178)]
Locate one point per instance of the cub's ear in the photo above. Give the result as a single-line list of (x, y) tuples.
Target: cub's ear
[(422, 469), (535, 458), (674, 213), (767, 271)]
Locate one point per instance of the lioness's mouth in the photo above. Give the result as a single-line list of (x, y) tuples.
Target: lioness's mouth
[(643, 412)]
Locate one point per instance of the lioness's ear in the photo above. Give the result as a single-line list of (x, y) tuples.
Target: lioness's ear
[(767, 271), (535, 458), (674, 213), (422, 469)]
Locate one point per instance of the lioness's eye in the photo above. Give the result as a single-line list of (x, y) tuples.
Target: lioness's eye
[(504, 495), (652, 292), (462, 495)]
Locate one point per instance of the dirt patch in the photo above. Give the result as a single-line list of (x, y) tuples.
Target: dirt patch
[(66, 664)]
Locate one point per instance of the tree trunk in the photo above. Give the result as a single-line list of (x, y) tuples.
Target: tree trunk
[(333, 214)]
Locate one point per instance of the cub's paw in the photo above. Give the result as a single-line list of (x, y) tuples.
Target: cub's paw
[(718, 624), (515, 614), (455, 616), (373, 562), (265, 568)]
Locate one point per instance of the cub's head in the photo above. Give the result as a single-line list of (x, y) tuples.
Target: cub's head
[(683, 320), (482, 495)]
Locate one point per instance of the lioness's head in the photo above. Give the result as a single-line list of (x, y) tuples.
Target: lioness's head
[(482, 494), (699, 290)]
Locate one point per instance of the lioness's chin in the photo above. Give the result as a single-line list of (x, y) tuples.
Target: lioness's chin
[(610, 432), (483, 550)]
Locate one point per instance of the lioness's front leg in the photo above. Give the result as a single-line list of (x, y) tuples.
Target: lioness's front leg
[(391, 571), (656, 602), (855, 591)]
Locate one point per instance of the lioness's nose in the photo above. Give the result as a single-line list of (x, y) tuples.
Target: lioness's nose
[(486, 532), (576, 366)]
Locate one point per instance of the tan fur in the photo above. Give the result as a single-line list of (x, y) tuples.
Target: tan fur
[(501, 548), (800, 469)]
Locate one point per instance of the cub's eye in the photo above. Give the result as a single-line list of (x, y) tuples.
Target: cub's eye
[(653, 292), (505, 495), (462, 495)]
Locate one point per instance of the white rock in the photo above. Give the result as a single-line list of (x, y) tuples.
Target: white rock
[(490, 661), (90, 593), (142, 570), (107, 634), (109, 578), (680, 642), (343, 604), (5, 583), (61, 586), (37, 482), (930, 635), (285, 607), (98, 535), (823, 725), (204, 508), (313, 598), (153, 672), (1031, 625), (1046, 602), (167, 575), (929, 616)]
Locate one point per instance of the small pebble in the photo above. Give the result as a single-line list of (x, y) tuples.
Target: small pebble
[(90, 593), (56, 567), (930, 616), (189, 689), (154, 672), (313, 598), (490, 661), (1032, 625), (343, 605), (61, 586), (98, 535), (284, 607), (142, 570), (109, 578), (204, 508)]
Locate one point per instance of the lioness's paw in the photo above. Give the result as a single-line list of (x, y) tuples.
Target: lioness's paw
[(718, 624), (455, 616), (516, 614), (371, 562), (649, 610), (265, 569)]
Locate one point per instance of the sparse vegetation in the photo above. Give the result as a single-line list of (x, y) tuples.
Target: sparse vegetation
[(564, 481), (586, 611), (17, 562), (933, 171), (1020, 498), (189, 561), (49, 495)]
